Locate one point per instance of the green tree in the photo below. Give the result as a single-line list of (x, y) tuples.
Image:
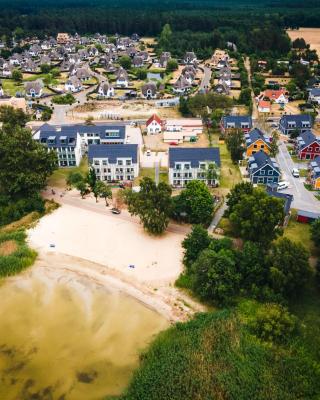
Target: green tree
[(236, 193), (195, 203), (257, 217), (274, 148), (215, 276), (141, 74), (273, 323), (17, 75), (45, 68), (152, 204), (83, 188), (245, 96), (301, 74), (25, 164), (165, 38), (289, 267), (125, 62), (74, 178), (252, 267), (105, 192), (11, 116), (194, 243), (235, 141), (91, 178), (172, 65), (315, 232)]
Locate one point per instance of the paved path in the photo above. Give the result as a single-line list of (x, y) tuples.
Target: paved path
[(302, 198), (255, 113), (217, 216), (205, 83)]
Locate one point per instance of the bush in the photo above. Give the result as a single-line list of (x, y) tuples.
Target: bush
[(12, 211), (64, 99), (20, 258)]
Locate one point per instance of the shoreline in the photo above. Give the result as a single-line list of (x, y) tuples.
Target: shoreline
[(168, 302)]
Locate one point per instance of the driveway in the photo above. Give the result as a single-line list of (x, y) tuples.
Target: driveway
[(205, 83), (302, 198)]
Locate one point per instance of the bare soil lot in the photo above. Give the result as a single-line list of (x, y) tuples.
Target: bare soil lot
[(310, 35)]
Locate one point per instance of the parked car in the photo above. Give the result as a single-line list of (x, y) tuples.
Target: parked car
[(295, 173), (283, 185), (148, 152), (173, 144), (115, 211)]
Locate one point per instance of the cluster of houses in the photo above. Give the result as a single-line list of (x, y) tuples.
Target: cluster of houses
[(224, 74), (270, 96), (262, 168), (114, 160)]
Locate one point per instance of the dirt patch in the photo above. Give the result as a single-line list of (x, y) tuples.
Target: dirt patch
[(310, 35), (8, 247)]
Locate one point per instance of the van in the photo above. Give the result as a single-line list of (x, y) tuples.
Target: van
[(283, 185)]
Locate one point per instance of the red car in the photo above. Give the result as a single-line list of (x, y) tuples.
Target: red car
[(173, 144)]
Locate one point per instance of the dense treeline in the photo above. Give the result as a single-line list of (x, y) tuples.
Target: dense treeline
[(209, 24)]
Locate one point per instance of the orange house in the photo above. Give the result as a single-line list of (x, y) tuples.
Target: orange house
[(256, 141)]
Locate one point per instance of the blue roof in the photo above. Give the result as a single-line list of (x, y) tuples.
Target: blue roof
[(193, 155), (254, 135), (237, 120), (96, 129), (58, 139), (259, 159), (305, 139), (113, 151), (315, 92), (297, 119)]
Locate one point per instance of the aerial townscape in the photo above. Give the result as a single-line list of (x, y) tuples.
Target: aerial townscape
[(160, 200)]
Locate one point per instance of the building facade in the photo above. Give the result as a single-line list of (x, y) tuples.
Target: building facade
[(187, 164)]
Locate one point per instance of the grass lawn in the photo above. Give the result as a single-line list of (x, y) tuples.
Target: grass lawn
[(300, 233), (58, 178), (150, 173), (230, 173), (12, 87)]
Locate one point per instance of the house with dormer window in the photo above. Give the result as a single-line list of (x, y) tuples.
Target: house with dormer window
[(114, 163), (263, 169), (65, 143), (307, 146), (295, 123), (231, 122), (188, 163), (255, 141)]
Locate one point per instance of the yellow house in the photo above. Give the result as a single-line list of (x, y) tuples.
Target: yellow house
[(255, 141)]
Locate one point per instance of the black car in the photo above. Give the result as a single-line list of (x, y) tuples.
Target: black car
[(115, 211)]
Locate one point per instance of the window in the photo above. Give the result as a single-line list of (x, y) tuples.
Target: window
[(255, 146), (262, 146), (178, 166), (262, 172), (96, 162), (120, 162), (104, 162), (187, 166), (128, 162), (270, 172)]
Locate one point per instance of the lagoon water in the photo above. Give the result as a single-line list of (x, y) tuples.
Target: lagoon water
[(59, 342)]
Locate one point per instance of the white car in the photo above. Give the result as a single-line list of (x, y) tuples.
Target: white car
[(295, 173), (283, 185)]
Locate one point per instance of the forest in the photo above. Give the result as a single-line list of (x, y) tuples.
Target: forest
[(255, 27)]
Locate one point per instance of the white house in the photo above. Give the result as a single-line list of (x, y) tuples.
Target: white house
[(114, 162), (154, 125), (314, 95), (106, 90), (190, 163), (73, 84), (264, 106), (34, 89), (122, 78), (66, 144)]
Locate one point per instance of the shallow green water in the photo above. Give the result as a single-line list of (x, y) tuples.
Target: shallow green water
[(66, 343)]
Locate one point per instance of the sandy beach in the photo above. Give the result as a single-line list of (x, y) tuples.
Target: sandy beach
[(96, 246)]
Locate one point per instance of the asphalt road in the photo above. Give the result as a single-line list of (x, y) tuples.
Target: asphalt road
[(302, 198)]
